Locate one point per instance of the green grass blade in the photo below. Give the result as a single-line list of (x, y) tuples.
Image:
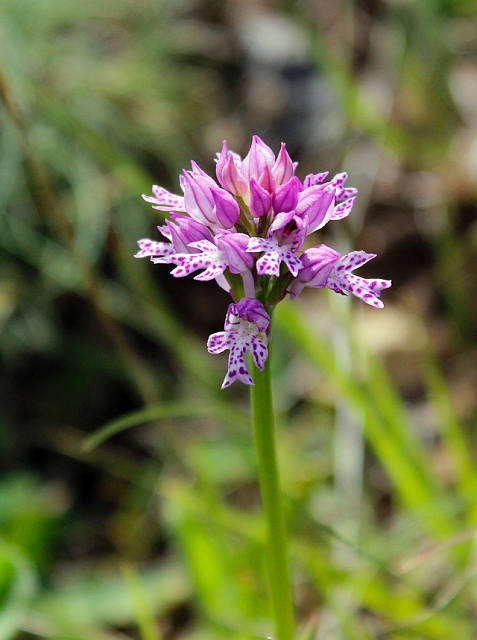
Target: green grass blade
[(386, 426), (144, 616), (163, 412), (452, 434)]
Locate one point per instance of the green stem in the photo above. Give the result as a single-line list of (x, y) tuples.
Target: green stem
[(276, 545)]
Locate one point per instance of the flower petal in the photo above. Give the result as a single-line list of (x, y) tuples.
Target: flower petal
[(152, 248), (343, 209), (164, 200), (237, 368), (220, 341), (343, 281), (245, 324), (259, 351)]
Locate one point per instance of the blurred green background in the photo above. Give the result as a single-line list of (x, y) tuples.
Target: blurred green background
[(156, 531)]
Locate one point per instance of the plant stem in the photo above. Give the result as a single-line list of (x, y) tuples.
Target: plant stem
[(276, 544)]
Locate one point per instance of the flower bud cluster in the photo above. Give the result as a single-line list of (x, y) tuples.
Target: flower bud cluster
[(246, 230)]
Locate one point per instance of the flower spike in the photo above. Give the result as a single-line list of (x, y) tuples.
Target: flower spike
[(246, 229)]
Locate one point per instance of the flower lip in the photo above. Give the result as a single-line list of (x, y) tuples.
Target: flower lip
[(244, 331), (343, 281), (273, 254)]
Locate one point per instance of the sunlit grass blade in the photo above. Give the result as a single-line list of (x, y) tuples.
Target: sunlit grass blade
[(144, 616), (227, 571), (166, 411), (101, 149), (387, 429), (388, 594), (453, 434)]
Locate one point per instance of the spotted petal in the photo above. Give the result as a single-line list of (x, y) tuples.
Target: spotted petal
[(269, 263), (213, 260), (242, 334), (342, 192), (164, 200), (343, 281), (343, 209), (220, 341), (314, 178), (152, 248), (237, 367), (259, 351)]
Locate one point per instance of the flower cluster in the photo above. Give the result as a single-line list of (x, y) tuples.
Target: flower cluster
[(246, 230)]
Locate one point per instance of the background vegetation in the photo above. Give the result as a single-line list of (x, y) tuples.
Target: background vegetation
[(156, 531)]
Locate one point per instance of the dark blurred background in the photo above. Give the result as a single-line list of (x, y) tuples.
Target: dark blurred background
[(98, 101)]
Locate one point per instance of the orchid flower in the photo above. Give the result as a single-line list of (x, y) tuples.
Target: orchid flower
[(246, 230), (245, 328), (252, 222)]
